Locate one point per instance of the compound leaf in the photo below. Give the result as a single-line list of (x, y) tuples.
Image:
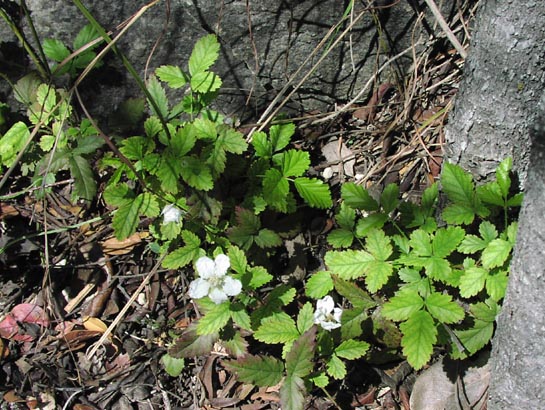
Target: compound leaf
[(314, 192), (357, 197), (419, 336), (348, 264), (403, 305), (319, 284), (204, 54), (279, 328), (352, 349), (443, 308), (172, 75), (259, 370)]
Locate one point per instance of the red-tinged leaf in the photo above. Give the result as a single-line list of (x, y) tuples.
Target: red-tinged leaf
[(299, 359), (12, 327)]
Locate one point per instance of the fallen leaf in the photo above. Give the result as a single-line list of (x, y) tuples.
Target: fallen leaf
[(113, 246), (335, 152), (77, 339), (7, 211), (13, 326), (93, 323)]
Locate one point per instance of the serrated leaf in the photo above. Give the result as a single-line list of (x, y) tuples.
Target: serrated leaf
[(352, 349), (259, 277), (240, 316), (438, 268), (204, 54), (378, 244), (236, 345), (458, 185), (491, 193), (85, 186), (429, 197), (280, 136), (502, 176), (267, 239), (127, 217), (471, 244), (351, 321), (485, 311), (293, 163), (189, 344), (346, 217), (389, 198), (419, 336), (279, 328), (496, 253), (275, 189), (261, 144), (314, 192), (183, 140), (55, 49), (369, 223), (477, 337), (159, 96), (336, 368), (443, 308), (446, 240), (172, 75), (403, 305), (458, 214), (259, 370), (515, 200), (196, 173), (511, 232), (86, 35), (205, 129), (496, 285), (186, 254), (321, 380), (88, 145), (172, 365), (299, 359), (205, 82), (215, 319), (377, 274), (319, 284), (420, 241), (118, 195), (305, 318), (231, 141), (292, 394), (12, 142), (472, 281), (357, 197), (340, 238), (238, 260), (348, 264), (355, 295)]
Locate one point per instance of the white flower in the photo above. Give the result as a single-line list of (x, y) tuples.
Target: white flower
[(171, 213), (213, 281), (326, 314)]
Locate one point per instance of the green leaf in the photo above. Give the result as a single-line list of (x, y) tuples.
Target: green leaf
[(472, 281), (488, 231), (477, 337), (186, 254), (419, 336), (231, 141), (118, 195), (189, 344), (259, 277), (262, 145), (403, 305), (238, 260), (84, 181), (55, 49), (377, 275), (88, 145), (443, 308), (275, 189), (357, 197), (240, 317), (127, 217), (389, 198), (496, 253), (204, 54), (205, 82), (348, 264), (292, 393), (420, 241), (429, 197), (346, 217), (280, 135), (378, 244), (321, 380), (159, 96), (471, 244), (279, 328), (355, 295), (293, 163), (259, 370), (299, 359), (491, 193), (458, 214), (340, 238), (314, 192), (205, 128), (351, 322), (369, 223), (267, 239), (515, 200), (86, 35), (196, 173), (172, 75), (12, 142), (215, 319), (352, 349), (496, 285), (305, 318), (485, 311), (458, 185), (336, 368), (446, 240), (319, 284), (502, 176), (173, 366), (183, 140)]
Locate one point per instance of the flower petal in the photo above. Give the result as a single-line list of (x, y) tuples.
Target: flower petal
[(205, 266), (330, 325), (326, 304), (198, 288), (171, 213), (232, 286), (222, 264), (337, 314), (217, 296)]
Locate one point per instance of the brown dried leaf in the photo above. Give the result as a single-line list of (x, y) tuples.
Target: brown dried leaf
[(113, 246), (93, 323)]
